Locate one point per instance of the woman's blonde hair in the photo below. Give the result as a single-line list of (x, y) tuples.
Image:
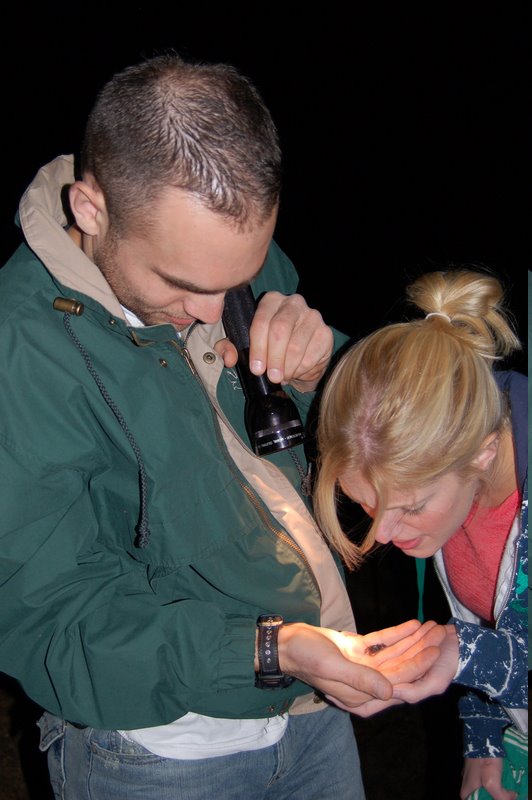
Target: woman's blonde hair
[(414, 400)]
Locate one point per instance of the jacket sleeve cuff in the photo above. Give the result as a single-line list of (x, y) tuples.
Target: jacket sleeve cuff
[(237, 656), (482, 652), (483, 738)]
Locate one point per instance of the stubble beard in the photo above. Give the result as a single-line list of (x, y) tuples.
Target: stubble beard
[(105, 259)]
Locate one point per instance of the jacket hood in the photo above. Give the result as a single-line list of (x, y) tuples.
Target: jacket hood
[(44, 223)]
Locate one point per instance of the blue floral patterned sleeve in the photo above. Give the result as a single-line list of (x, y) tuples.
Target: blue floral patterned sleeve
[(494, 663)]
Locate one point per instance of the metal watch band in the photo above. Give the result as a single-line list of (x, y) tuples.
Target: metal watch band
[(269, 675)]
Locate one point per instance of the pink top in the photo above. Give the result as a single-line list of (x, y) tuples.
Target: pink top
[(473, 555)]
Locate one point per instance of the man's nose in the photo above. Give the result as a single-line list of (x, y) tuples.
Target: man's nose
[(206, 308)]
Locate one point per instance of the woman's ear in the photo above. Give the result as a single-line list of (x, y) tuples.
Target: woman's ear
[(88, 207), (487, 453)]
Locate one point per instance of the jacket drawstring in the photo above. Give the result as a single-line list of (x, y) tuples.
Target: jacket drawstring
[(143, 529)]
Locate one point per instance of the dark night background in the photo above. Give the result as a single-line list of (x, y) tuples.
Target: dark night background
[(404, 132)]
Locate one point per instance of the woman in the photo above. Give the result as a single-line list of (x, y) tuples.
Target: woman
[(419, 427)]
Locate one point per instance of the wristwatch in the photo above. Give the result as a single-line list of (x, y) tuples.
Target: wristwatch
[(269, 675)]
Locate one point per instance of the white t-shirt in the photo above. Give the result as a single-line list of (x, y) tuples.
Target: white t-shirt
[(196, 736)]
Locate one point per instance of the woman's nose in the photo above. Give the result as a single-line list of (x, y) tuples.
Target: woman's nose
[(387, 528)]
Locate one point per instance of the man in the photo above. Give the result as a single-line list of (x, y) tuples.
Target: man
[(144, 546)]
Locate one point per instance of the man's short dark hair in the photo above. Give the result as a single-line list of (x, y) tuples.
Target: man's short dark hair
[(199, 127)]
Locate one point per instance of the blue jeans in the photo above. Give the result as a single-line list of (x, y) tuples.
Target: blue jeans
[(317, 759)]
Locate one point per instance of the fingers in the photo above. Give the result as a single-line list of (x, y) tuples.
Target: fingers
[(425, 686), (441, 672), (336, 663), (227, 351), (394, 656), (362, 686), (394, 634), (354, 684), (393, 642), (410, 669), (404, 661), (486, 773), (289, 340), (413, 694), (373, 707), (313, 655), (368, 680)]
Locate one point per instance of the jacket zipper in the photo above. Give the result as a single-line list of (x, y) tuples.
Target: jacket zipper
[(257, 503)]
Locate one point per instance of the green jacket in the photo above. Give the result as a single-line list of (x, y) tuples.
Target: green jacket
[(105, 428)]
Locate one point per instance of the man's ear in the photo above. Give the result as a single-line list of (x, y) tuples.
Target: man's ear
[(88, 207), (487, 453)]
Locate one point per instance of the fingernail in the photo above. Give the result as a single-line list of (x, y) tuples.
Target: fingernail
[(257, 367), (275, 375)]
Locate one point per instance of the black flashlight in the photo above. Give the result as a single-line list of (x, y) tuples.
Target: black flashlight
[(272, 419)]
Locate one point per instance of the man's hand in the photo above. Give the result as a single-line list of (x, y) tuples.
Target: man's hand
[(486, 772), (349, 669), (288, 340)]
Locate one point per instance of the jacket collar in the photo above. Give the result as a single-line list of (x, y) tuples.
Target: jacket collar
[(515, 386), (44, 222)]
